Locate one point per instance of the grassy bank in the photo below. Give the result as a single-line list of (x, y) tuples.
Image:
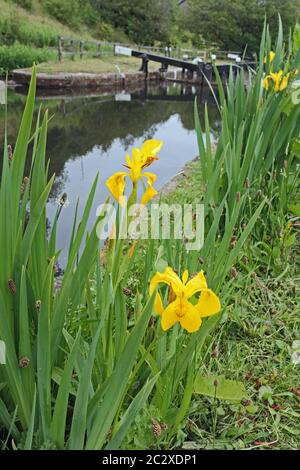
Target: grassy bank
[(29, 32), (252, 344)]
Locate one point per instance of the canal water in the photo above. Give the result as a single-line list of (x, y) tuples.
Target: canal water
[(91, 133)]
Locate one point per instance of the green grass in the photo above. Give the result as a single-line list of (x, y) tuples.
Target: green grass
[(21, 56), (32, 26), (252, 344), (104, 64)]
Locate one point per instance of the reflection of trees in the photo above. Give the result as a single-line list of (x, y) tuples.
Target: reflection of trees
[(81, 124)]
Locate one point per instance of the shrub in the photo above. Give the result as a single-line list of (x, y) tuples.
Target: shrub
[(27, 4), (13, 28), (65, 11), (19, 56)]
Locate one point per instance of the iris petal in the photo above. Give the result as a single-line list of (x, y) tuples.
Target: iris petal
[(158, 305), (197, 284), (169, 317), (150, 191), (209, 304), (191, 321), (168, 277), (116, 185)]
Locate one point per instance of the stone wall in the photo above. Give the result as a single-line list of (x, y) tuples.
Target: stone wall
[(84, 80)]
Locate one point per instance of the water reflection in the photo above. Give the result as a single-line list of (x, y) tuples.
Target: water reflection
[(91, 133)]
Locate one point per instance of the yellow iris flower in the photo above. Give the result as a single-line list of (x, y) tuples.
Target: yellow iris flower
[(141, 159), (179, 308), (279, 80), (271, 57)]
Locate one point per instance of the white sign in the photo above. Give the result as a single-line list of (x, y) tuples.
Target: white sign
[(233, 56), (123, 50), (122, 97), (2, 353)]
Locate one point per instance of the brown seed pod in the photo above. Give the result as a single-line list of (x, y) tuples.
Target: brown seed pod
[(12, 286), (158, 427), (10, 153), (24, 362), (246, 402), (234, 272), (24, 184), (215, 352), (127, 292), (233, 241)]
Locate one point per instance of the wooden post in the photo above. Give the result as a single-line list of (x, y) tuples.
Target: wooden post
[(81, 49), (59, 48), (72, 47), (99, 49)]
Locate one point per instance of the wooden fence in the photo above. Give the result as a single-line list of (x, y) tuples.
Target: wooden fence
[(82, 48)]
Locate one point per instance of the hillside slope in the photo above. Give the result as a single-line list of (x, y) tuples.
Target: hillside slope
[(39, 23), (29, 30)]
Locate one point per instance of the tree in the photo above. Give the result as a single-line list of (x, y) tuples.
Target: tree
[(143, 22), (237, 24)]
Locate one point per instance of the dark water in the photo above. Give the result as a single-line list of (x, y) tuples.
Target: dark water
[(91, 133)]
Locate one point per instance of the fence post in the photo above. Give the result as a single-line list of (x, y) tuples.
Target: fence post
[(81, 49), (99, 49), (72, 49), (59, 45)]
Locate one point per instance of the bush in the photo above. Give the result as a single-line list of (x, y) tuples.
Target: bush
[(13, 29), (19, 56), (65, 11), (73, 13), (27, 4)]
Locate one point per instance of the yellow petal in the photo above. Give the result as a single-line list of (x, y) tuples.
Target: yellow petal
[(169, 317), (150, 191), (191, 321), (116, 185), (158, 305), (151, 147), (209, 304), (128, 160), (185, 276), (197, 284), (136, 166), (277, 79), (148, 195), (171, 296), (284, 83), (168, 277), (267, 82), (271, 57)]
